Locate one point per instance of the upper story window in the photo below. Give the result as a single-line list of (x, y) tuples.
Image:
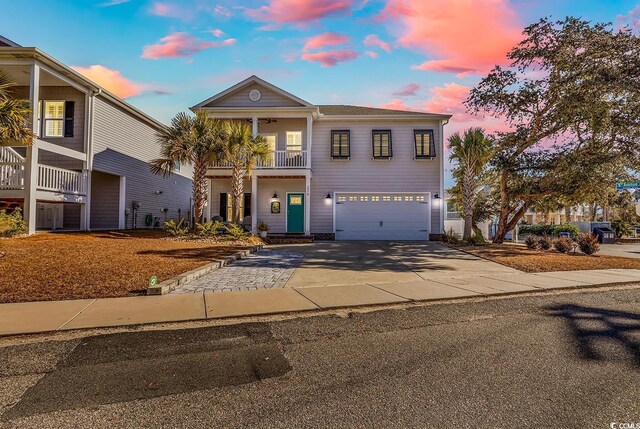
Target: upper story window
[(176, 166), (340, 144), (53, 117), (294, 140), (381, 140), (425, 145)]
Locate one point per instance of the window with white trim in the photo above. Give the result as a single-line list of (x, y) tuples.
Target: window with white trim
[(53, 119), (294, 140)]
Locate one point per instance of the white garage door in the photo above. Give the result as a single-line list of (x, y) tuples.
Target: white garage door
[(388, 216)]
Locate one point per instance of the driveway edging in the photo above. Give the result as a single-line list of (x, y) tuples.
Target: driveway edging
[(169, 285)]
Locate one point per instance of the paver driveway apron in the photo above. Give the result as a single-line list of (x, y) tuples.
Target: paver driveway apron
[(265, 269)]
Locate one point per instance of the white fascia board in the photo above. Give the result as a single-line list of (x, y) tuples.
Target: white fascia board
[(269, 112), (382, 117)]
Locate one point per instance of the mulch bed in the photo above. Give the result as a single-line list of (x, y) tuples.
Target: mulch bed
[(97, 265), (534, 261)]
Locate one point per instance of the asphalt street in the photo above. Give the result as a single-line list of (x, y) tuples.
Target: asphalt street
[(569, 360)]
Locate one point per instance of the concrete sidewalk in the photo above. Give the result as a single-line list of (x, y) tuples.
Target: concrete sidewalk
[(33, 317)]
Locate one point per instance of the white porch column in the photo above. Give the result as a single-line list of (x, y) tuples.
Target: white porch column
[(254, 126), (307, 205), (31, 166), (209, 198), (309, 139), (254, 203)]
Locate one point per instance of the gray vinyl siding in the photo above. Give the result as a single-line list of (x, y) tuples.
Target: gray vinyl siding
[(62, 93), (123, 145), (105, 189), (363, 174), (240, 98)]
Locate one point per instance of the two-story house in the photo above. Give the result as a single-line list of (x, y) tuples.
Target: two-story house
[(334, 171), (88, 166)]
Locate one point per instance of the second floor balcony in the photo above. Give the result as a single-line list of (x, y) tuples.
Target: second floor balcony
[(278, 159)]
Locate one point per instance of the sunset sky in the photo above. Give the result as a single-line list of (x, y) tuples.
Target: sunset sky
[(164, 56)]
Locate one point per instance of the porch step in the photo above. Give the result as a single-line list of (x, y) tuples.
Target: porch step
[(288, 239)]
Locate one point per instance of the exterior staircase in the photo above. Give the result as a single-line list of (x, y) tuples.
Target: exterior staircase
[(11, 169)]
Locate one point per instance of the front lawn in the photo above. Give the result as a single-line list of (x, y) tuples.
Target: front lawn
[(97, 265), (534, 261)]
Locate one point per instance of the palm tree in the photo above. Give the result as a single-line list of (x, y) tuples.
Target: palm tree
[(14, 114), (241, 150), (472, 151), (193, 140)]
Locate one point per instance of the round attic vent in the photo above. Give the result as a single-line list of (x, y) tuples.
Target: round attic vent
[(254, 95)]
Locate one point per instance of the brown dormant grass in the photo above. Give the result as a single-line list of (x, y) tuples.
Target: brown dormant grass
[(91, 265), (534, 261)]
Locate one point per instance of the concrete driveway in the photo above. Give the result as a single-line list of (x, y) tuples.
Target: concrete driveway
[(622, 250), (355, 262)]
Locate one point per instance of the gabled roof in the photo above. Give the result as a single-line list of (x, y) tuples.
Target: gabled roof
[(349, 110), (8, 42), (251, 80), (68, 72)]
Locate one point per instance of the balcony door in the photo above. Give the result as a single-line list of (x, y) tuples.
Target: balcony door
[(272, 143)]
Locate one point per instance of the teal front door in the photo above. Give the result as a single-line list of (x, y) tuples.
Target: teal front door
[(295, 212)]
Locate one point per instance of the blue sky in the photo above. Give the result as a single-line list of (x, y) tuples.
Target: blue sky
[(210, 45)]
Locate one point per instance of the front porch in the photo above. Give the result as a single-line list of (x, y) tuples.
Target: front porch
[(40, 188), (276, 198)]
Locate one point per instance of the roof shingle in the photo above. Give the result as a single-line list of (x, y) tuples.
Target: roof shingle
[(349, 110)]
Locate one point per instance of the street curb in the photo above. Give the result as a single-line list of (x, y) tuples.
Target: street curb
[(169, 285)]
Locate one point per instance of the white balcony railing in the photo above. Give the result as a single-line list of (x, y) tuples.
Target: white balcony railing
[(279, 159), (12, 175), (61, 180)]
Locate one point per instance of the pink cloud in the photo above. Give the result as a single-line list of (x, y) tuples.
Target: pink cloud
[(408, 90), (217, 32), (631, 20), (170, 10), (372, 54), (373, 40), (222, 11), (180, 45), (330, 58), (460, 36), (111, 80), (324, 39), (397, 104), (298, 11)]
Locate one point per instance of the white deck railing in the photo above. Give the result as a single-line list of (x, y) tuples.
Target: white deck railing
[(61, 180), (12, 175), (279, 159)]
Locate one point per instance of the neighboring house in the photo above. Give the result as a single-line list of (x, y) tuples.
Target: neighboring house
[(577, 214), (88, 167), (334, 171)]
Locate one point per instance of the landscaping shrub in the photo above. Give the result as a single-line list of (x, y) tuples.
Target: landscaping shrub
[(236, 232), (12, 224), (563, 244), (209, 229), (451, 237), (475, 240), (553, 230), (588, 243), (621, 228), (531, 242), (176, 229), (545, 242)]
